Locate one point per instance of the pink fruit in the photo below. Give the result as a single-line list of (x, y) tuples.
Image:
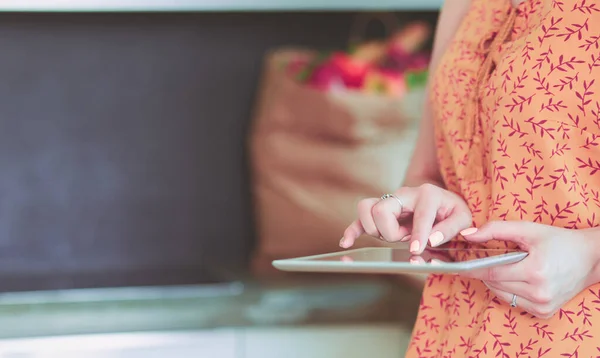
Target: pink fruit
[(325, 76), (352, 71)]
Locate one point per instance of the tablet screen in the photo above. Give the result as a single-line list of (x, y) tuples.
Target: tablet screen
[(429, 256)]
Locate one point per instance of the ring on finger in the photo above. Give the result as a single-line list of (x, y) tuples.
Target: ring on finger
[(513, 302), (387, 196)]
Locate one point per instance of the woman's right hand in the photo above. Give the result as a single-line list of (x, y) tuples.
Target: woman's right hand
[(421, 214)]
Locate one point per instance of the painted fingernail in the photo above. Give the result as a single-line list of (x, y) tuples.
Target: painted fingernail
[(436, 238), (415, 246), (343, 243), (469, 231), (406, 238)]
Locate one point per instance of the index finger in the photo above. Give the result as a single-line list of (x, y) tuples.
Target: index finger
[(424, 217), (352, 232)]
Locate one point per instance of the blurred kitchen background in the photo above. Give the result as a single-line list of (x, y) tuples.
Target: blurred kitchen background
[(156, 155)]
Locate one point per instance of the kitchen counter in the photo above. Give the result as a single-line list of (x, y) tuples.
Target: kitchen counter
[(272, 303), (221, 5)]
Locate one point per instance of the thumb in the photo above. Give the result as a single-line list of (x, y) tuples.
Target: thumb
[(522, 233)]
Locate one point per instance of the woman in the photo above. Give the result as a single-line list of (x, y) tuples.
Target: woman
[(508, 156)]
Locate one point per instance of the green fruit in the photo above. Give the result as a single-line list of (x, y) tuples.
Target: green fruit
[(416, 79)]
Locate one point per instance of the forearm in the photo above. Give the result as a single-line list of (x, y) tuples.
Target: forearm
[(422, 170), (424, 167)]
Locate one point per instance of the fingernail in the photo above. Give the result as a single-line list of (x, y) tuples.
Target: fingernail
[(415, 246), (343, 243), (469, 231), (436, 238), (406, 238), (413, 261), (436, 262)]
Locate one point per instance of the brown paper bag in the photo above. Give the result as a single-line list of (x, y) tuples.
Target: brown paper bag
[(315, 154)]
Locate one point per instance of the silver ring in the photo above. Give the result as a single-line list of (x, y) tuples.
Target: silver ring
[(387, 196), (513, 303)]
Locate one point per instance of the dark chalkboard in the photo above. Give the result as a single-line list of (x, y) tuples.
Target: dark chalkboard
[(122, 143)]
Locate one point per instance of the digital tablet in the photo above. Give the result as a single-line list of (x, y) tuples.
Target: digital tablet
[(386, 260)]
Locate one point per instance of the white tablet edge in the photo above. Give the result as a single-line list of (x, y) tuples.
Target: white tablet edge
[(308, 264)]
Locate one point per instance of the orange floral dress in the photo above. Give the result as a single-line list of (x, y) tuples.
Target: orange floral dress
[(518, 136)]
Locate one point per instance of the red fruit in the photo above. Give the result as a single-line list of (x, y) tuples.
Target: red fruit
[(353, 71), (325, 77)]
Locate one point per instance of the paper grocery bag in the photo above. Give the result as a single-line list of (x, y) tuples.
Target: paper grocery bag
[(315, 154)]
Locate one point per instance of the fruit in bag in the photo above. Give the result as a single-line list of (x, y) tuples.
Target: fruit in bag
[(326, 77), (352, 70), (391, 67), (389, 83)]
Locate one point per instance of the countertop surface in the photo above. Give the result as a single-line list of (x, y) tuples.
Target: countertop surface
[(291, 301)]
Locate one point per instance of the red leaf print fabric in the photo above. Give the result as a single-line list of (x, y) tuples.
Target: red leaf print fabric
[(539, 137)]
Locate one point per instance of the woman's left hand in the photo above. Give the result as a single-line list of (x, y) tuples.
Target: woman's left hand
[(561, 263)]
